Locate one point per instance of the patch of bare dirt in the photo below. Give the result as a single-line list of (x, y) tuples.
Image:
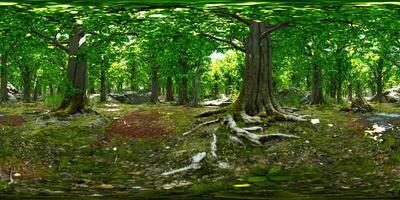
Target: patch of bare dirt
[(141, 125), (11, 121)]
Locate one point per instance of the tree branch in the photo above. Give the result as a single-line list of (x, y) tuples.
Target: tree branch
[(53, 41), (235, 46), (274, 28), (234, 16)]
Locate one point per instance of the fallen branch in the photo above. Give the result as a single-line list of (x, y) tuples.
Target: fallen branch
[(196, 159), (201, 125)]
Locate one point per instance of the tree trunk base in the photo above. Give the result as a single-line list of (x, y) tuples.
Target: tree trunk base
[(359, 105)]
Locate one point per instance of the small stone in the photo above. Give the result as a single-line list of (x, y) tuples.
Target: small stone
[(315, 121), (17, 175)]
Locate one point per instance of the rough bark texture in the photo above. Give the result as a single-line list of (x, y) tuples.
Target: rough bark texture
[(75, 98), (36, 91), (350, 92), (133, 85), (4, 78), (196, 88), (154, 85), (317, 93), (26, 82), (183, 90), (359, 105), (256, 94), (378, 78), (103, 89), (169, 89)]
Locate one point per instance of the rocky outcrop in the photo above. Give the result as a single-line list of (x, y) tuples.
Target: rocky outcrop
[(131, 97), (13, 94), (392, 95)]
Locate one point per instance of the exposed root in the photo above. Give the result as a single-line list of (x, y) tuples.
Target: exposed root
[(290, 109), (250, 119), (359, 105), (293, 117), (254, 138), (221, 164), (237, 140), (212, 112), (254, 128), (11, 176), (196, 159), (214, 146), (201, 125)]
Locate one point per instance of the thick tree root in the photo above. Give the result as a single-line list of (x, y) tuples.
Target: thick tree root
[(201, 125), (247, 119), (252, 137), (196, 164), (212, 112), (221, 164)]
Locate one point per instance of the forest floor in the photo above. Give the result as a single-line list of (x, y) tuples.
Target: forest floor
[(124, 150)]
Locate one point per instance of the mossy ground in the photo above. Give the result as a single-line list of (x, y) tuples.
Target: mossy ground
[(62, 156)]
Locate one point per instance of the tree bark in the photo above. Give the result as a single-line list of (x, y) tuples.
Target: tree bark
[(103, 89), (339, 92), (75, 97), (37, 89), (350, 92), (4, 78), (378, 78), (133, 85), (169, 89), (196, 88), (183, 90), (26, 82), (317, 93), (215, 87), (154, 85), (256, 93)]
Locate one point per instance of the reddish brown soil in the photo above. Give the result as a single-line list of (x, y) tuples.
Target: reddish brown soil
[(358, 124), (11, 120), (141, 125)]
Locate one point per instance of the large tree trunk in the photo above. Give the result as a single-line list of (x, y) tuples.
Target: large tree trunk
[(36, 92), (256, 92), (169, 89), (26, 82), (133, 85), (183, 90), (51, 89), (4, 78), (317, 93), (196, 88), (154, 85), (378, 77), (215, 87), (339, 92), (103, 89), (350, 92), (75, 97)]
